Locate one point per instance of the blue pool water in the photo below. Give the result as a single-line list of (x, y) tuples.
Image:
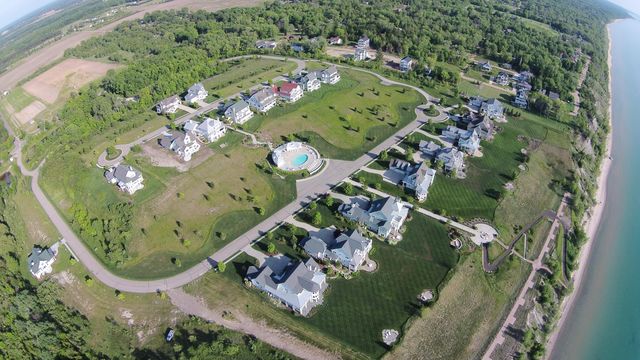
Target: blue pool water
[(300, 160)]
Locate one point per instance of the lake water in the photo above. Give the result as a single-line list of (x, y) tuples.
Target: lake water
[(605, 320)]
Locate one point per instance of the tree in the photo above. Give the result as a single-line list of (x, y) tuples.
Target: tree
[(347, 188), (384, 155), (313, 205), (271, 248), (409, 154), (222, 266), (317, 219), (329, 200), (260, 211)]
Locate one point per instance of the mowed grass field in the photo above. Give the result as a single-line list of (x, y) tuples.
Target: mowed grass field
[(355, 311), (177, 215), (244, 74), (343, 120)]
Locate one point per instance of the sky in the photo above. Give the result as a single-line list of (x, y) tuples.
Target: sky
[(12, 10), (633, 5)]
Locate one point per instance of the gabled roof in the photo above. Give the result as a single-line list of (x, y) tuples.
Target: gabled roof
[(37, 256), (123, 173), (288, 87), (264, 94), (168, 101), (196, 88), (350, 242)]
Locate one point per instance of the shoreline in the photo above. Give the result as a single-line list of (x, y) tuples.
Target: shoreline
[(592, 222)]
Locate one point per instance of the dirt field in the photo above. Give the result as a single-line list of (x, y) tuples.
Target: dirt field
[(56, 50), (30, 112), (72, 73)]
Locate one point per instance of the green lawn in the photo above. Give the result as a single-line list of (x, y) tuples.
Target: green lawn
[(177, 215), (244, 74), (343, 120), (19, 99)]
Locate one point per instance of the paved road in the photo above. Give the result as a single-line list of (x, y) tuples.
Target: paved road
[(307, 190), (538, 264)]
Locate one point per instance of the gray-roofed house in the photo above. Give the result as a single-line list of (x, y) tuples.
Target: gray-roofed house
[(502, 78), (485, 66), (383, 216), (299, 285), (429, 148), (554, 95), (40, 261), (196, 93), (309, 81), (469, 142), (452, 158), (360, 54), (125, 177), (239, 112), (418, 178), (168, 105), (453, 133), (349, 249), (476, 102), (492, 108), (330, 75), (483, 126), (364, 42), (209, 130), (522, 99), (266, 44), (263, 100), (182, 143), (335, 40), (406, 63)]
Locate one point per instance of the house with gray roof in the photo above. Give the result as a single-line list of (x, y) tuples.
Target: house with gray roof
[(168, 105), (196, 93), (484, 127), (522, 99), (406, 64), (452, 158), (40, 261), (239, 112), (299, 285), (364, 42), (429, 148), (125, 177), (469, 142), (418, 178), (330, 75), (263, 100), (502, 78), (382, 216), (349, 249), (360, 54), (209, 130), (266, 44), (309, 81), (492, 108), (182, 143), (485, 66)]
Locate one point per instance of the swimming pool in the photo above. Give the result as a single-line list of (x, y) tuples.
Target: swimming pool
[(299, 160)]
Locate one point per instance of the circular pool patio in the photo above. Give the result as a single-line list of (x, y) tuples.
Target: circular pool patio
[(296, 156)]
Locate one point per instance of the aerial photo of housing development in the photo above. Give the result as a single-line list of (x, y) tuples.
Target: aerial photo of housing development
[(314, 179)]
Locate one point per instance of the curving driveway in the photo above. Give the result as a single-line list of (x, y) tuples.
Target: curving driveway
[(307, 191)]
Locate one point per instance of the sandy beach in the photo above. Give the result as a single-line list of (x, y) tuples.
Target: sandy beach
[(592, 221)]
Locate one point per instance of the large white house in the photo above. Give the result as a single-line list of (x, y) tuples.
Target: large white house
[(383, 216), (196, 93), (239, 112), (290, 92), (350, 248), (183, 144), (418, 178), (263, 100), (330, 75), (406, 63), (168, 105), (360, 54), (310, 82), (40, 261), (209, 130), (298, 285), (125, 177)]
